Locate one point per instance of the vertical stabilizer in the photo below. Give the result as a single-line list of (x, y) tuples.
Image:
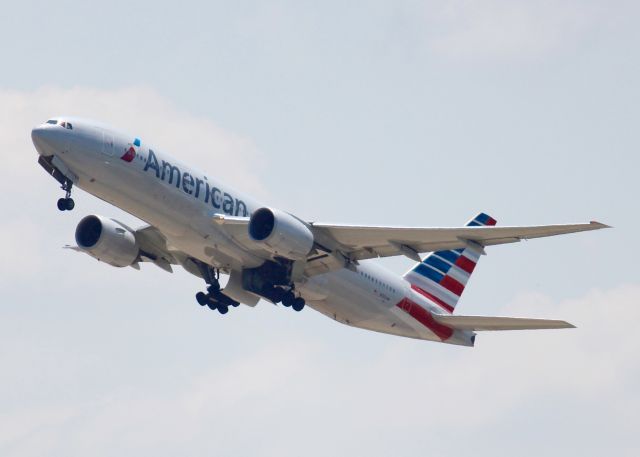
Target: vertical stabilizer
[(443, 275)]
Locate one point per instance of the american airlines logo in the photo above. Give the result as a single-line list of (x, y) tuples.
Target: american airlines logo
[(130, 154), (198, 188)]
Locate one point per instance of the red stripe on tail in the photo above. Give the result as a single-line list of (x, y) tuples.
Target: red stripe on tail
[(451, 284), (466, 264), (433, 298), (425, 318)]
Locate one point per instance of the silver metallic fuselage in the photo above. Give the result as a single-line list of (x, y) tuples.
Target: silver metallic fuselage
[(365, 297)]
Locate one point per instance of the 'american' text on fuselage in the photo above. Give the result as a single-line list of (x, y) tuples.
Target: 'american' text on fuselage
[(193, 186)]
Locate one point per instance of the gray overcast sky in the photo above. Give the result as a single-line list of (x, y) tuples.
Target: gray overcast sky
[(405, 113)]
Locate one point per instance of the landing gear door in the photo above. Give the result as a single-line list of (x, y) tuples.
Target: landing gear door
[(235, 290)]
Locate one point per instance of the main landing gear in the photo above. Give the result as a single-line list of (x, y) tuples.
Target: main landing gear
[(66, 203), (272, 280), (259, 284), (285, 296), (291, 301), (217, 301), (214, 298)]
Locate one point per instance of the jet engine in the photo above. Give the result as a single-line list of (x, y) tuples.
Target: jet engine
[(107, 240), (280, 233)]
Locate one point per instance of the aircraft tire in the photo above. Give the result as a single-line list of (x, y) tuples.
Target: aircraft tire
[(223, 309), (201, 297), (277, 294), (298, 304), (288, 299), (62, 204), (69, 204)]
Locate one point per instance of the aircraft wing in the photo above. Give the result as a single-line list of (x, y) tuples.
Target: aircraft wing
[(488, 323), (361, 242), (339, 246), (153, 248)]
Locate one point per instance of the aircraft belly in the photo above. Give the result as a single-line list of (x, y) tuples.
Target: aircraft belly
[(345, 299), (351, 301), (383, 322)]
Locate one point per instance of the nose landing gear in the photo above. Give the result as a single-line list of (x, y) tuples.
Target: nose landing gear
[(66, 203)]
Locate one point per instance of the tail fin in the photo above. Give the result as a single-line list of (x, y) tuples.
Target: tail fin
[(443, 275)]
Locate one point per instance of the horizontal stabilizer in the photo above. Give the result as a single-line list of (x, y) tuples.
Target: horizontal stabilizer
[(487, 323)]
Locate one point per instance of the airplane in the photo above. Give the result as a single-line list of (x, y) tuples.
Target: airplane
[(209, 229)]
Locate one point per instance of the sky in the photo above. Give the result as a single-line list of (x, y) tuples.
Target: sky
[(417, 113)]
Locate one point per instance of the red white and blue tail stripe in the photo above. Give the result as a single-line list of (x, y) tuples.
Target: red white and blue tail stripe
[(442, 276)]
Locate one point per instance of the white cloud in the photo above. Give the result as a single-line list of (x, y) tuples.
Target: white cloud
[(496, 29), (278, 399), (18, 254), (137, 110)]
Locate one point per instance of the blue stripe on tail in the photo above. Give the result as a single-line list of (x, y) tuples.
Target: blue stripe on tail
[(433, 273)]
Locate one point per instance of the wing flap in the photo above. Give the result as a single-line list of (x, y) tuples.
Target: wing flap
[(153, 246), (490, 323)]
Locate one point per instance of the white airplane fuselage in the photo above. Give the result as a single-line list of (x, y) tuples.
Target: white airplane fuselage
[(181, 201)]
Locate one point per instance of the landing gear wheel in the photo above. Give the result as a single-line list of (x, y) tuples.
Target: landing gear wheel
[(223, 309), (277, 294), (201, 297), (66, 204), (288, 299), (298, 304), (212, 305)]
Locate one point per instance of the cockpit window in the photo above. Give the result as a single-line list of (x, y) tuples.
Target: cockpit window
[(63, 124)]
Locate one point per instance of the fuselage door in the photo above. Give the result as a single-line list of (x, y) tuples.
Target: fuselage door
[(107, 144)]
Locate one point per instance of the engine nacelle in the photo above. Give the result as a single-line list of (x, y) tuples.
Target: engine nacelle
[(107, 240), (281, 233)]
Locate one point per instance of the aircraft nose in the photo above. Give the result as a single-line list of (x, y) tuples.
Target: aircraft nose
[(46, 139)]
